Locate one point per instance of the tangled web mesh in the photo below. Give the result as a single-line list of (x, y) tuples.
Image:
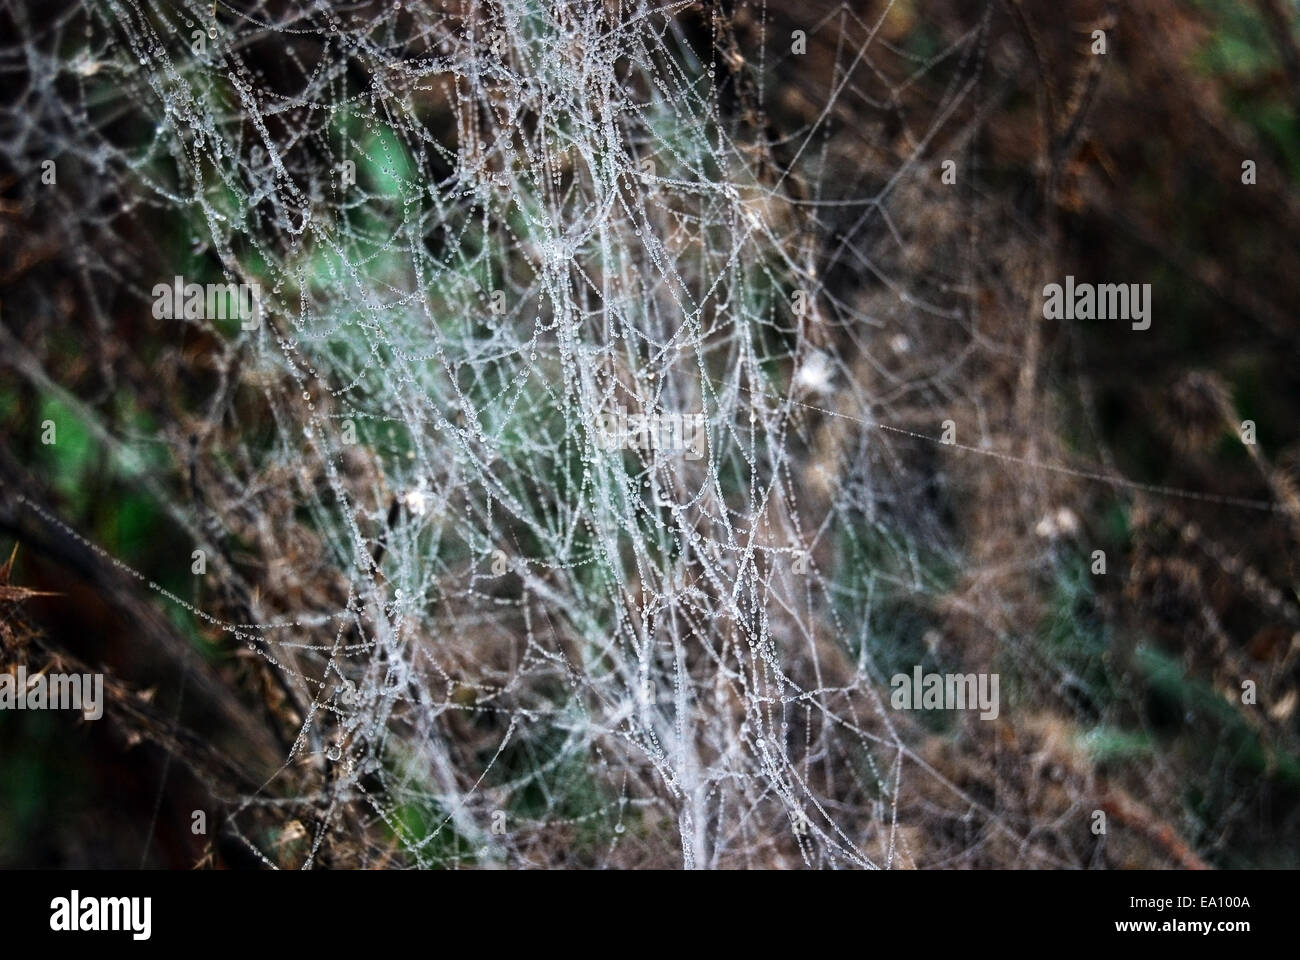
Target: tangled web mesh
[(575, 482)]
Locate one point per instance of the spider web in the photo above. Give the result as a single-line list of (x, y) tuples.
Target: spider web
[(483, 233)]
